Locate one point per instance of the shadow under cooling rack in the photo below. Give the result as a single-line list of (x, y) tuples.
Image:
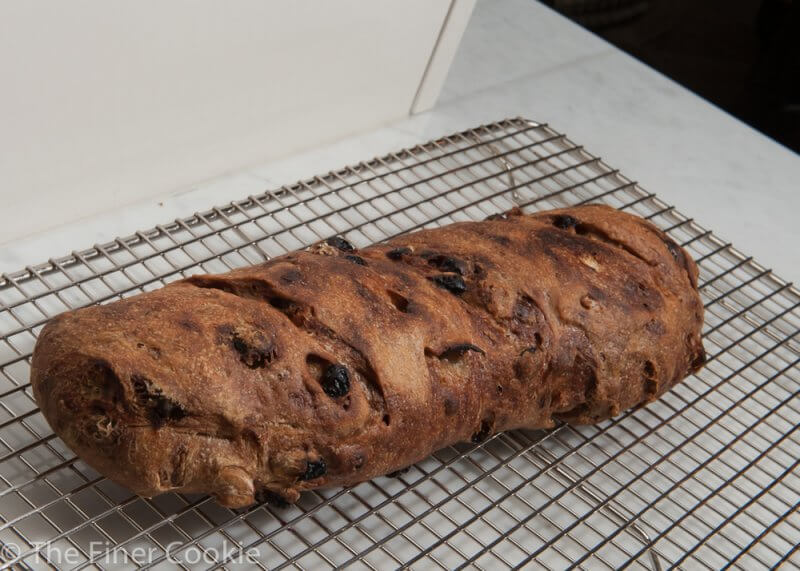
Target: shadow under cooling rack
[(705, 477)]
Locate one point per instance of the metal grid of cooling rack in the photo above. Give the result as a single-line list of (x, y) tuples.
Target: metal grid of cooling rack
[(706, 477)]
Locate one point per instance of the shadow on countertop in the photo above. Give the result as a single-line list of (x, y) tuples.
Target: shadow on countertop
[(742, 55)]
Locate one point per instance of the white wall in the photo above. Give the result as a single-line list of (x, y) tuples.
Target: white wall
[(105, 102)]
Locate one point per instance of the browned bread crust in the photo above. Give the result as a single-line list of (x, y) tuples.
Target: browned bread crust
[(330, 366)]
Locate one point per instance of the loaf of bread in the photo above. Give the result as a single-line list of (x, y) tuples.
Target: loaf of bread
[(331, 365)]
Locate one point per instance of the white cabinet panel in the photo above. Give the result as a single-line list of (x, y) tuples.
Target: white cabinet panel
[(103, 103)]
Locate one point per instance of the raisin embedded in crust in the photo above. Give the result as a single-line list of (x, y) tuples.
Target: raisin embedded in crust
[(314, 469), (340, 244), (160, 409), (253, 357), (336, 381), (451, 282), (447, 263), (271, 498), (483, 432), (565, 221), (673, 248), (398, 253), (355, 259), (164, 410), (497, 216)]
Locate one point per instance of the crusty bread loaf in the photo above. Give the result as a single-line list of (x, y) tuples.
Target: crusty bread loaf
[(330, 366)]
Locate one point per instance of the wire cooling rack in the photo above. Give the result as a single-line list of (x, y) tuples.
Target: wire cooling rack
[(707, 477)]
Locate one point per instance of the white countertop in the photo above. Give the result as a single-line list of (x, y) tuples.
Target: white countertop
[(517, 58)]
